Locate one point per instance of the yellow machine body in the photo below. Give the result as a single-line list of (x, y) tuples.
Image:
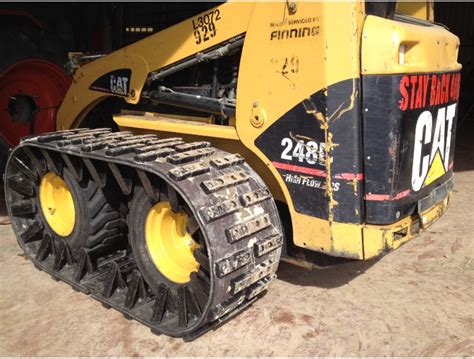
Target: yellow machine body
[(290, 52)]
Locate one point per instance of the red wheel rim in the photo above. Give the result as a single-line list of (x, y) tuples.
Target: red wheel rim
[(44, 85)]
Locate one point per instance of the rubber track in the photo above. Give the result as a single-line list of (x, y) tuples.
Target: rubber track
[(231, 209)]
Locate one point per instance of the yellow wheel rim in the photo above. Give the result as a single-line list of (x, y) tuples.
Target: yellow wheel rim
[(169, 245), (57, 204)]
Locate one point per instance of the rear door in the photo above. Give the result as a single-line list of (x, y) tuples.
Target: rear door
[(410, 87)]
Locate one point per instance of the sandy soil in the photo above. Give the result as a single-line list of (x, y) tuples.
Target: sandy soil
[(414, 301)]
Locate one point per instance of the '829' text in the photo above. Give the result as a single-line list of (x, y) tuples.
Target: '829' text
[(204, 26)]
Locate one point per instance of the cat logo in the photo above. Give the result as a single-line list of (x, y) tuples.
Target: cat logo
[(119, 85), (116, 82), (430, 163)]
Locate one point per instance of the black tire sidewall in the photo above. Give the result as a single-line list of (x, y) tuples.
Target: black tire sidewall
[(138, 212), (77, 239), (18, 44)]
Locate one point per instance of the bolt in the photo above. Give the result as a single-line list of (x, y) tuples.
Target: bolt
[(255, 104), (292, 7)]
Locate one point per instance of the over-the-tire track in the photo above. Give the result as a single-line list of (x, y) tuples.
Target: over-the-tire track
[(232, 210)]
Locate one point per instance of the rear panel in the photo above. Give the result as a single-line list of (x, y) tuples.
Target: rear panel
[(409, 116), (409, 127)]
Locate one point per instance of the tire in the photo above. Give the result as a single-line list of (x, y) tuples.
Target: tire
[(98, 217), (235, 248), (23, 40), (138, 210)]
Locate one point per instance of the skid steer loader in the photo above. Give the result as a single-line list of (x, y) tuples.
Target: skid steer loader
[(249, 132)]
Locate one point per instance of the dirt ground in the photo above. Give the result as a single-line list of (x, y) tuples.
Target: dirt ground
[(416, 301)]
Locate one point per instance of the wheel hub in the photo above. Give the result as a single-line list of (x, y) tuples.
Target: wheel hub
[(57, 204), (169, 245), (22, 108), (30, 87)]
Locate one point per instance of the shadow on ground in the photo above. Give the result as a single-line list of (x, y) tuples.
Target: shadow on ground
[(336, 274)]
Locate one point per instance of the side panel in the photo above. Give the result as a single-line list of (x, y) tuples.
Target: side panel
[(299, 146), (298, 92)]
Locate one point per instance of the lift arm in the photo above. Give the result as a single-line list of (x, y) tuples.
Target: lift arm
[(124, 72)]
